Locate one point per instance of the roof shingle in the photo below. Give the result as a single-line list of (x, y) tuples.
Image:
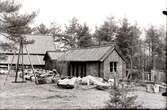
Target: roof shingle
[(40, 46), (86, 54), (35, 59), (54, 55)]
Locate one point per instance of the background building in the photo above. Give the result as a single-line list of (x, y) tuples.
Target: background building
[(36, 50)]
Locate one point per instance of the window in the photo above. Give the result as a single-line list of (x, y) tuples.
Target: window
[(113, 66)]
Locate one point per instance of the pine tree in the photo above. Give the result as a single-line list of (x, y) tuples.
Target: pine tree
[(15, 26), (119, 98), (127, 39), (104, 34), (155, 42), (76, 35)]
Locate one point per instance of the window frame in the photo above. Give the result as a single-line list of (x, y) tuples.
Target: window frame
[(113, 66)]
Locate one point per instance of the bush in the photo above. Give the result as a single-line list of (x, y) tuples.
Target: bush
[(119, 98)]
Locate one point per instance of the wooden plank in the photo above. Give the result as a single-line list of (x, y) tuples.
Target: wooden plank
[(17, 66), (36, 81)]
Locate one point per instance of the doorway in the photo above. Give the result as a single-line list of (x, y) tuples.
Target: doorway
[(77, 69)]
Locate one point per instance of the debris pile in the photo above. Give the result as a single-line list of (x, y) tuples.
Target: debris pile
[(43, 76), (3, 71), (47, 76), (69, 83)]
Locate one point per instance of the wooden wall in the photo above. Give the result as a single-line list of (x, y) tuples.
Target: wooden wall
[(98, 69), (61, 67), (48, 64), (92, 68), (121, 66)]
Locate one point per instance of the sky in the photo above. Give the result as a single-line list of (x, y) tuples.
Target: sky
[(94, 12)]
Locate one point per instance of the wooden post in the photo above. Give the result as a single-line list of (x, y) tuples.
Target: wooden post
[(9, 68), (22, 59), (99, 65), (115, 80), (144, 64), (17, 65), (143, 76), (36, 81)]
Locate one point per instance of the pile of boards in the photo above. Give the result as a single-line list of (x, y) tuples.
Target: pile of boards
[(3, 71), (73, 82), (42, 76), (46, 77)]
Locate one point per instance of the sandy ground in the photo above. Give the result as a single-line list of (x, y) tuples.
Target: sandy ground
[(150, 100), (49, 96)]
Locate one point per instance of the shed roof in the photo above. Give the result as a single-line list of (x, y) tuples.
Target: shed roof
[(35, 60), (53, 55), (86, 54), (41, 44)]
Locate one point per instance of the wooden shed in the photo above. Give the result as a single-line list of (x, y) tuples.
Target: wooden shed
[(51, 62), (100, 61), (36, 51)]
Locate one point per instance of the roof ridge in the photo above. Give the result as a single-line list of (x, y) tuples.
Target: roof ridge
[(41, 44), (55, 51), (39, 35), (94, 46)]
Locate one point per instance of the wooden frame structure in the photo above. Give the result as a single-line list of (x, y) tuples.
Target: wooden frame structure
[(20, 56)]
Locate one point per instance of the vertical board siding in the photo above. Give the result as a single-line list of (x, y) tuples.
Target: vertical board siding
[(92, 69), (113, 57), (48, 64), (101, 69)]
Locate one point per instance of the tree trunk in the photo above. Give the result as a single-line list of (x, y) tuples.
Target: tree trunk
[(140, 54), (153, 55), (99, 39), (149, 56), (131, 66), (22, 59), (144, 64)]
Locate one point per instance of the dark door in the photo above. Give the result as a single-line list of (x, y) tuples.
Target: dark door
[(77, 69)]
